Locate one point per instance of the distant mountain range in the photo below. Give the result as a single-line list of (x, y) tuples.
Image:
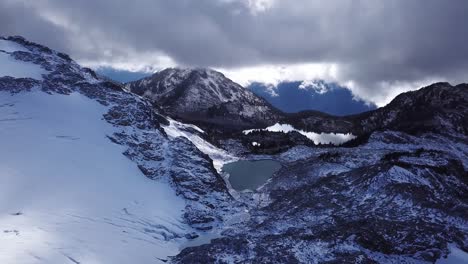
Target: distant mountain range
[(212, 101), (325, 97), (205, 96)]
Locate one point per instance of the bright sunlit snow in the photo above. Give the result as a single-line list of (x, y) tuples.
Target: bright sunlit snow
[(322, 138), (68, 195), (456, 256), (19, 69), (10, 46), (219, 156)]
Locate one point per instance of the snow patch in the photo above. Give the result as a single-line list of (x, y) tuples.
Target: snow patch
[(318, 87), (68, 194), (322, 138), (19, 69), (456, 256), (401, 175), (10, 46), (219, 156)]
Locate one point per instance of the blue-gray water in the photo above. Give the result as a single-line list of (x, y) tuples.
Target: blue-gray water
[(246, 174)]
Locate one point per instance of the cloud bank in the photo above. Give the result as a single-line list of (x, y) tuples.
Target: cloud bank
[(376, 48)]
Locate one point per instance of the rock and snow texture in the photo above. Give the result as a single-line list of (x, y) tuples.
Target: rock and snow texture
[(396, 199), (322, 138), (10, 46), (203, 95), (68, 194), (198, 88), (440, 108), (88, 175), (191, 132)]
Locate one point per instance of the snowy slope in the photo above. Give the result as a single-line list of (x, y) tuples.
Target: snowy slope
[(194, 89), (14, 68), (10, 46), (77, 196), (87, 174), (219, 156)]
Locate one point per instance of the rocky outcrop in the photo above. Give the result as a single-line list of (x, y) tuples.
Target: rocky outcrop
[(387, 201), (440, 108)]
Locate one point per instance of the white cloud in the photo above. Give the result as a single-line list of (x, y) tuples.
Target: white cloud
[(275, 74), (258, 6), (255, 6), (380, 93), (137, 62), (389, 90), (389, 48), (308, 74), (318, 87)]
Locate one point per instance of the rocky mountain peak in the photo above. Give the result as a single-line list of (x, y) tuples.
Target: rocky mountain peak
[(439, 107), (174, 82), (439, 94), (204, 94)]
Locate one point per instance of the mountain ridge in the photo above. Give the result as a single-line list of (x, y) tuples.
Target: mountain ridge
[(168, 93), (124, 129), (204, 95), (127, 184)]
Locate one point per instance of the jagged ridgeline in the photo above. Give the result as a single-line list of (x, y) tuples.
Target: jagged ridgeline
[(205, 96)]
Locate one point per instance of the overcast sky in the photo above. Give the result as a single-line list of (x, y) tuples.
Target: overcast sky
[(377, 48)]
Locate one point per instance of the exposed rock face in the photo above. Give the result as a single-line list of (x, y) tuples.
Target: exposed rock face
[(321, 123), (440, 107), (396, 199), (205, 96)]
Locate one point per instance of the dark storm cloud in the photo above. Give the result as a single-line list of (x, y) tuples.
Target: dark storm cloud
[(17, 18), (191, 32), (372, 42)]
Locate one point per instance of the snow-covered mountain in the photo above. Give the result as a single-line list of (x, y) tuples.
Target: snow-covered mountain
[(87, 173), (206, 96), (93, 173)]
